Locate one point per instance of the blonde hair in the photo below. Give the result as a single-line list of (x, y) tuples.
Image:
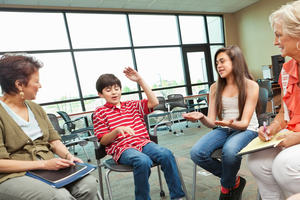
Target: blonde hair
[(289, 17)]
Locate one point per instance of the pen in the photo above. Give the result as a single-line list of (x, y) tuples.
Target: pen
[(265, 131)]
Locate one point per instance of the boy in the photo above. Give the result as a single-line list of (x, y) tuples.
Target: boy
[(119, 126)]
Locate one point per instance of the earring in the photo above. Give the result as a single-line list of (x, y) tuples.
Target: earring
[(22, 94), (297, 45)]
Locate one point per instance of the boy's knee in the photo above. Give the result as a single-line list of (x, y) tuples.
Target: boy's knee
[(144, 162), (167, 154)]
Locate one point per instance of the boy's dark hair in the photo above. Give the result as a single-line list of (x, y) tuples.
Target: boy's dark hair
[(106, 80)]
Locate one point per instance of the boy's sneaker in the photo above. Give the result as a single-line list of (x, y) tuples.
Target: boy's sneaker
[(235, 194)]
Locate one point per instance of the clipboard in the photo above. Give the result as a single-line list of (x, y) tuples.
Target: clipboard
[(258, 145), (62, 177)]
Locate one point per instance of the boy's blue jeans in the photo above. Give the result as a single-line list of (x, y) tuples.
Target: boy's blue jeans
[(231, 141), (142, 162)]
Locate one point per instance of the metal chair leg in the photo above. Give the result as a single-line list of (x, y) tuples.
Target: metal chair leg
[(108, 184), (194, 182), (258, 195), (162, 192), (88, 158), (182, 181)]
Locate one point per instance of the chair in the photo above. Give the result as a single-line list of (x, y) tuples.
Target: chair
[(110, 165), (176, 101), (159, 114), (73, 136), (71, 126), (262, 116), (201, 101), (268, 85)]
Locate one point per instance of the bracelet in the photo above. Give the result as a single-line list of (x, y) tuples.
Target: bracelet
[(66, 155)]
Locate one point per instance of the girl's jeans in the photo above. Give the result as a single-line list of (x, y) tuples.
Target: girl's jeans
[(231, 141)]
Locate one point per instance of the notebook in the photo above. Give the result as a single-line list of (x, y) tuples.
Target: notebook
[(62, 177), (257, 144)]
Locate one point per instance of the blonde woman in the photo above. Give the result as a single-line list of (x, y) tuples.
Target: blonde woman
[(277, 170)]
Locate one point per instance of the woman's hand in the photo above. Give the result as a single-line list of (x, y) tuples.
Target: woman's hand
[(290, 139), (264, 134), (56, 163), (73, 159), (224, 122), (132, 74), (193, 116)]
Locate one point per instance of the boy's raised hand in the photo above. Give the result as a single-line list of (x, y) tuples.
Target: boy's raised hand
[(132, 74)]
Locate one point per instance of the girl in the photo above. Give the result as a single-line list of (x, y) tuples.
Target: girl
[(233, 100)]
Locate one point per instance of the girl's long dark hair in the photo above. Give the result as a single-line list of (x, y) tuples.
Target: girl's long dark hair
[(240, 73)]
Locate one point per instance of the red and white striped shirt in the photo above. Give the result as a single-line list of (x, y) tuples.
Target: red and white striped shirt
[(131, 113)]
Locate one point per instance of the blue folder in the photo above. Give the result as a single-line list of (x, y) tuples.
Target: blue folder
[(65, 181)]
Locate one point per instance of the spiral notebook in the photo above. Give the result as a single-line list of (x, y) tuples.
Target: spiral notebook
[(62, 177)]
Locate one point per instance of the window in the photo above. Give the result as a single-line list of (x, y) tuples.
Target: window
[(25, 31), (57, 78), (215, 29), (160, 67), (98, 30), (77, 47), (91, 64), (192, 29), (152, 30)]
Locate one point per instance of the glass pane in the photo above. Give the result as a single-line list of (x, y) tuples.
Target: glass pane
[(98, 30), (197, 88), (92, 64), (160, 67), (192, 29), (71, 107), (92, 104), (215, 29), (166, 92), (57, 78), (154, 30), (32, 31), (213, 50), (197, 67)]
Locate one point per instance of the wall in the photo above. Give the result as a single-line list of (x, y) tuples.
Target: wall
[(253, 33)]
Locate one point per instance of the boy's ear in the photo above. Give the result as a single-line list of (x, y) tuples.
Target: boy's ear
[(100, 95)]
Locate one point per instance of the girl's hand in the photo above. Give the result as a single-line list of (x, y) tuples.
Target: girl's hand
[(193, 116), (56, 164), (224, 122), (132, 74)]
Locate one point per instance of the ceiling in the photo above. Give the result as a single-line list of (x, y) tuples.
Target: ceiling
[(215, 6)]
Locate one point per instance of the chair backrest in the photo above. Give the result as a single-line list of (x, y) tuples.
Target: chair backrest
[(70, 125), (54, 121), (268, 85), (162, 104), (263, 99), (261, 109), (176, 100), (203, 98)]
